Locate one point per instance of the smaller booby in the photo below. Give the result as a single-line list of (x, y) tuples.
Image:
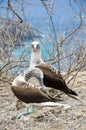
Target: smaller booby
[(33, 93), (52, 78)]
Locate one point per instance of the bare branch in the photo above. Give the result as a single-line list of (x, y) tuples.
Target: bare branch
[(11, 8)]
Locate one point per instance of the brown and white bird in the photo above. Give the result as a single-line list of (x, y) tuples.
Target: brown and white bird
[(33, 92), (51, 76)]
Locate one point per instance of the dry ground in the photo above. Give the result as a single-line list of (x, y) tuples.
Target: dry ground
[(47, 118)]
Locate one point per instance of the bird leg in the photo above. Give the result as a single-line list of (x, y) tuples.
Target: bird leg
[(26, 112)]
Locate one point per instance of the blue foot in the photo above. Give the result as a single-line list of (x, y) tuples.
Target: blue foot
[(26, 112)]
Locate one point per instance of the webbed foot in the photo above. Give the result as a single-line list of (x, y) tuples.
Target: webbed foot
[(28, 111)]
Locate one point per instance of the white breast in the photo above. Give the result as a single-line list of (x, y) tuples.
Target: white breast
[(19, 80)]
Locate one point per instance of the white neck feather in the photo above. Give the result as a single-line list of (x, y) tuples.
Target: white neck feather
[(36, 58), (18, 81)]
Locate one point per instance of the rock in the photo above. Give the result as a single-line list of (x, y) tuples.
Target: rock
[(79, 114)]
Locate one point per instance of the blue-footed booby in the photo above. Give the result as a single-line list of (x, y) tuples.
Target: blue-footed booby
[(52, 78), (33, 93)]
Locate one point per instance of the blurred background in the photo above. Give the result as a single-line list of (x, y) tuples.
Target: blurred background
[(59, 25)]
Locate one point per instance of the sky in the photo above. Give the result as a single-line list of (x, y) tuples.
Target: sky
[(65, 13), (62, 8)]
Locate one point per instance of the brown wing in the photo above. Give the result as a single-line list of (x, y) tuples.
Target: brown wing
[(32, 94), (54, 79)]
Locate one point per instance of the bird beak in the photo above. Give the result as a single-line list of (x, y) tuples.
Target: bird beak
[(35, 47)]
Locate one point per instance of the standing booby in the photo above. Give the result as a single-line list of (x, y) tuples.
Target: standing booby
[(52, 78), (34, 93)]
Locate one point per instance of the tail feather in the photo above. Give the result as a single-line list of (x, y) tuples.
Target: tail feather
[(77, 98), (72, 92), (67, 90)]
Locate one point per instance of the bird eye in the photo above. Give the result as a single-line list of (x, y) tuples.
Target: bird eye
[(38, 46), (32, 46)]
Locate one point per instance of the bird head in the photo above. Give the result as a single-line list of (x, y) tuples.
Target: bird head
[(33, 72), (35, 54), (35, 46)]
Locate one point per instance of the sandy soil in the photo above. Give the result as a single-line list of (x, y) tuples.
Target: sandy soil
[(47, 118)]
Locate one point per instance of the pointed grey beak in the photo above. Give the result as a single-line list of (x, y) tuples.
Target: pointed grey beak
[(35, 47)]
